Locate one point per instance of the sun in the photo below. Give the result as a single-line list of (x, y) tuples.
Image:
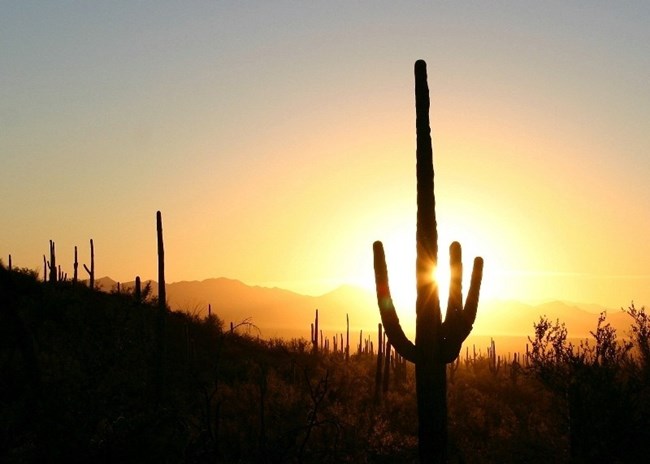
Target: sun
[(442, 274)]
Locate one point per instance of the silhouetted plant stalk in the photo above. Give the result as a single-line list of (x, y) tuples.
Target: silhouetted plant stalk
[(318, 394), (91, 271), (387, 362), (137, 291), (314, 334), (347, 338), (494, 361), (52, 263), (380, 354), (436, 342), (75, 266), (162, 312)]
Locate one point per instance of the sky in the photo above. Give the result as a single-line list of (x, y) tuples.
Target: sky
[(278, 141)]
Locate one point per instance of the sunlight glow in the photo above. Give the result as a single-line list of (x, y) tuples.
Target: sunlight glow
[(441, 275)]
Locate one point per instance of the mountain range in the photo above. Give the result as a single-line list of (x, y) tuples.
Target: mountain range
[(279, 312)]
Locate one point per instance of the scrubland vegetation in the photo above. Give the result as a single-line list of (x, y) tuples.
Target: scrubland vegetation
[(78, 383)]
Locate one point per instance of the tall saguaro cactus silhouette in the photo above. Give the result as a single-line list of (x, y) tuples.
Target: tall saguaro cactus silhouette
[(162, 314), (162, 292), (436, 342)]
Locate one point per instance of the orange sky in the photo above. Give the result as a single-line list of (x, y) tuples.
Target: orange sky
[(278, 141)]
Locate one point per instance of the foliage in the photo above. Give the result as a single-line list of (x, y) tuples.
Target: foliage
[(76, 370), (602, 394)]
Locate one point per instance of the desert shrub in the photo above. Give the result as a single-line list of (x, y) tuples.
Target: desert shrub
[(600, 391)]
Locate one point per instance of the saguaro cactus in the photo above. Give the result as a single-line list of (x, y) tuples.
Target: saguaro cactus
[(75, 266), (380, 362), (52, 263), (347, 338), (162, 292), (91, 271), (137, 291), (436, 342), (162, 313), (314, 334)]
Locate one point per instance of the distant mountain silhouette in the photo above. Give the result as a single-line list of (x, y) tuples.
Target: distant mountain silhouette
[(278, 311), (273, 310)]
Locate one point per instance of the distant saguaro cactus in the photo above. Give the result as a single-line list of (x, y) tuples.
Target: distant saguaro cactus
[(436, 342), (75, 266), (52, 264), (137, 291), (162, 313), (314, 334), (347, 338), (494, 360), (91, 271), (380, 362), (162, 292)]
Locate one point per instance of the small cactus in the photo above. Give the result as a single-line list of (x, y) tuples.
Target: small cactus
[(380, 361), (494, 361), (314, 334), (137, 291), (52, 263), (75, 266), (347, 338)]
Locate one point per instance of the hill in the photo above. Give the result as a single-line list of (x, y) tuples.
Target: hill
[(89, 376), (275, 311), (280, 312)]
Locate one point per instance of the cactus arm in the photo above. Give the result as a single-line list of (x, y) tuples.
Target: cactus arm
[(389, 318), (458, 320), (471, 304), (455, 302)]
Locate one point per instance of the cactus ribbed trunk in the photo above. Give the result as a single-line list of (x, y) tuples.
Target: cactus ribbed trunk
[(436, 342)]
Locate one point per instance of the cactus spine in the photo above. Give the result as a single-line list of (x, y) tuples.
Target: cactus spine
[(436, 342)]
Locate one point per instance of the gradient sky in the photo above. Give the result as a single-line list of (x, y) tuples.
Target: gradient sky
[(278, 140)]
